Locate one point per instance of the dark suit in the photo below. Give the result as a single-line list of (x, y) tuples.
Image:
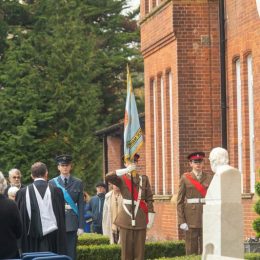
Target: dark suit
[(11, 228), (73, 222), (191, 213)]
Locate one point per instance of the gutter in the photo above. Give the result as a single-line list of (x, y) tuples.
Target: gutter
[(223, 74)]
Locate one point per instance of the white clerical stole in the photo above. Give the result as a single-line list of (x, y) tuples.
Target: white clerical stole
[(48, 219)]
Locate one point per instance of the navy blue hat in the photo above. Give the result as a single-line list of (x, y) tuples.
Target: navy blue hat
[(101, 184), (64, 159)]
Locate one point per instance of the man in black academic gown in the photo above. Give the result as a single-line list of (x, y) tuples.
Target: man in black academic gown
[(43, 216)]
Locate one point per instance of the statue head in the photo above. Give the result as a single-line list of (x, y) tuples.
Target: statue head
[(218, 157)]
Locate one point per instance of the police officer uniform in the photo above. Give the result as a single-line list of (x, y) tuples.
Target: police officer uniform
[(190, 200), (74, 221)]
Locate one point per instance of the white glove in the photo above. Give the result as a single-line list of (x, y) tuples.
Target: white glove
[(150, 219), (130, 168), (184, 226), (121, 172), (80, 231)]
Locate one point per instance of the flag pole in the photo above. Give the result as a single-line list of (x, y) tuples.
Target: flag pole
[(132, 194), (133, 233)]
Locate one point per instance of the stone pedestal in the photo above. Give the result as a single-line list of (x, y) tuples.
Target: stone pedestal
[(223, 217)]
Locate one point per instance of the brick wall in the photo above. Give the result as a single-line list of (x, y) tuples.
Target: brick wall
[(114, 155), (180, 37), (243, 38)]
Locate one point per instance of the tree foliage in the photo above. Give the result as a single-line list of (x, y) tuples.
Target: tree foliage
[(62, 77)]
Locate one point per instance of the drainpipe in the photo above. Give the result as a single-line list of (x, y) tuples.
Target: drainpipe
[(105, 155), (223, 74)]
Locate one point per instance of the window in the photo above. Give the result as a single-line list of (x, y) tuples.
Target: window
[(239, 118), (171, 130), (155, 137), (163, 136), (251, 121)]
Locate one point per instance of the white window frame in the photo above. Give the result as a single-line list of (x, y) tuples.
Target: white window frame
[(163, 136), (250, 84), (154, 86), (171, 130), (149, 6), (239, 120)]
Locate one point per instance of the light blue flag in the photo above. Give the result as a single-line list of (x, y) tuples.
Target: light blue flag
[(133, 137)]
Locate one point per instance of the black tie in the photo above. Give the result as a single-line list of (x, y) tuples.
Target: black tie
[(65, 182)]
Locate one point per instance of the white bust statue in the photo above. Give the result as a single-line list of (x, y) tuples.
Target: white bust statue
[(218, 158), (258, 6), (225, 178)]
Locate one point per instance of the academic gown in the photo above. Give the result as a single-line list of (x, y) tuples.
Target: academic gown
[(32, 239)]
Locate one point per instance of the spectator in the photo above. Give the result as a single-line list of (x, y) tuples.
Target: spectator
[(42, 208), (15, 178), (12, 192), (96, 207), (87, 214), (112, 206), (10, 224)]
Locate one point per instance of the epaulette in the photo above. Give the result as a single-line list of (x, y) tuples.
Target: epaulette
[(186, 174)]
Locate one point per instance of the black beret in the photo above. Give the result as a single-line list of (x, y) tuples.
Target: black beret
[(64, 159)]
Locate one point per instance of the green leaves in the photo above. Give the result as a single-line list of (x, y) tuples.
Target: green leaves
[(62, 77)]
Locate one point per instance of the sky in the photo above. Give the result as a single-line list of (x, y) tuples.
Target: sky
[(134, 3)]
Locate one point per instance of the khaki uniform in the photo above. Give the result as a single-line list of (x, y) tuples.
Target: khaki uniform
[(132, 237), (191, 213)]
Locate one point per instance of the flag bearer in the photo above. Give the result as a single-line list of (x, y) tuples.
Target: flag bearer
[(135, 217)]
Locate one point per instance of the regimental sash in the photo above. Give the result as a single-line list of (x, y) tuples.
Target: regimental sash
[(137, 198), (197, 185), (67, 197)]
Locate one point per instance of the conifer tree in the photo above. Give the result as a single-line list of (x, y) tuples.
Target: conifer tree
[(61, 75)]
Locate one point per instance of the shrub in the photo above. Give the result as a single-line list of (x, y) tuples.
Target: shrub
[(88, 239), (153, 250), (99, 252), (252, 256), (256, 222)]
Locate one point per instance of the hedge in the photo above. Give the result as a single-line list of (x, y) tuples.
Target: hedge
[(88, 239), (98, 252), (95, 246), (153, 250), (252, 256)]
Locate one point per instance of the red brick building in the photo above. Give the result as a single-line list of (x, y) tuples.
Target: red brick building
[(184, 78), (202, 90)]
